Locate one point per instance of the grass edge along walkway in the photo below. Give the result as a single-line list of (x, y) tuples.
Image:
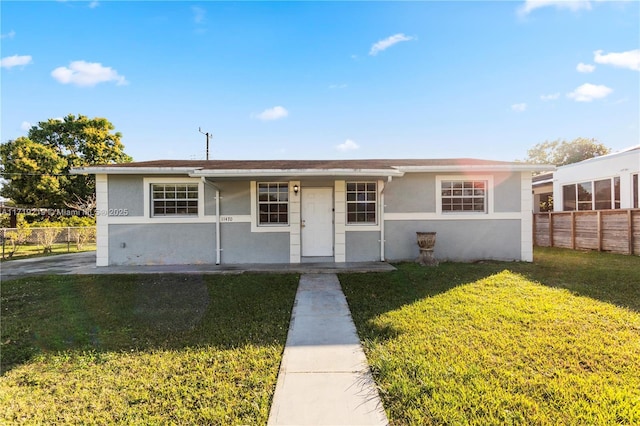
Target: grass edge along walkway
[(471, 344), (143, 349)]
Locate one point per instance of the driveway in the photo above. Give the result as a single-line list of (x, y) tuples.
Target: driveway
[(61, 264)]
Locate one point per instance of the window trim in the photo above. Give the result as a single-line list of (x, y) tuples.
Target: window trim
[(614, 204), (176, 199), (258, 202), (255, 226), (376, 204), (489, 210), (591, 193), (148, 202)]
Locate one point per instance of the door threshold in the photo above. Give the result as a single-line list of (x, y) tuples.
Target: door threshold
[(317, 259)]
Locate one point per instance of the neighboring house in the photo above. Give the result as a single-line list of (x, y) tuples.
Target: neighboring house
[(226, 212), (542, 192), (600, 183)]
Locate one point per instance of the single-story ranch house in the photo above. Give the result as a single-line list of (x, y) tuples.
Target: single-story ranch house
[(231, 212)]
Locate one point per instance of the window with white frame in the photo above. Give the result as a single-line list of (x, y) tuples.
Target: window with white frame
[(170, 199), (362, 203), (468, 196), (585, 195), (568, 197), (601, 194), (273, 203)]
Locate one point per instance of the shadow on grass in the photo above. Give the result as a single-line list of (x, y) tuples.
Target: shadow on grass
[(610, 278), (371, 295), (104, 313)]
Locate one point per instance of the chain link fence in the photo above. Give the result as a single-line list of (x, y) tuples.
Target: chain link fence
[(17, 241)]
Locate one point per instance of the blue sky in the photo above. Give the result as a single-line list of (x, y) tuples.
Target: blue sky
[(327, 80)]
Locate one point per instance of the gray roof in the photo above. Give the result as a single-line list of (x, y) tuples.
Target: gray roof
[(306, 164), (308, 167)]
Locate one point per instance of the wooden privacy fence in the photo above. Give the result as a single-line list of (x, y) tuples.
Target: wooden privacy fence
[(617, 231)]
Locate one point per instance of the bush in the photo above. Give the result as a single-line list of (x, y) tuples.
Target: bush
[(46, 237), (17, 237), (84, 229)]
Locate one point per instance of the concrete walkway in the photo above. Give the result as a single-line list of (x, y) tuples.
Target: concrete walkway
[(324, 377)]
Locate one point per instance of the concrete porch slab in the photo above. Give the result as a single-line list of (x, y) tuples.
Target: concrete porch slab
[(85, 264)]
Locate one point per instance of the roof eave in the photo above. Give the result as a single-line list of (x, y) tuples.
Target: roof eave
[(295, 172), (131, 170), (480, 168), (397, 171)]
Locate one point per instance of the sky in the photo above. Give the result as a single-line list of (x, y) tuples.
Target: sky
[(327, 80)]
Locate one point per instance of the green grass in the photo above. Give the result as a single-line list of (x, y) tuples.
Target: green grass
[(149, 349), (553, 342), (33, 250)]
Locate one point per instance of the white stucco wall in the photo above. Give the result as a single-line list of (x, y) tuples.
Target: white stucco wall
[(623, 164)]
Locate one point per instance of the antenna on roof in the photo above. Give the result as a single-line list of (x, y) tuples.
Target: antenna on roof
[(207, 134)]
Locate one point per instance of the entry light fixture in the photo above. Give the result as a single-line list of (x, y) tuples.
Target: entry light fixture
[(296, 188)]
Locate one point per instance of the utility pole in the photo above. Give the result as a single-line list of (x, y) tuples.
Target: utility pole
[(207, 134)]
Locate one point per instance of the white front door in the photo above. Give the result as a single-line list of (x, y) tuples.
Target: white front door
[(317, 221)]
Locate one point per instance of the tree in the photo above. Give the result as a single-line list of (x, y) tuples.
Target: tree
[(33, 172), (561, 152), (16, 237), (37, 167)]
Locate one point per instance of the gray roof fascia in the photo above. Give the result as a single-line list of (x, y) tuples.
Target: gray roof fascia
[(394, 171), (542, 182), (480, 168), (132, 170), (231, 173)]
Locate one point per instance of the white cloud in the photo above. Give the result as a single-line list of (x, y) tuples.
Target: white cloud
[(198, 14), (274, 113), (25, 125), (94, 4), (519, 107), (10, 34), (585, 68), (337, 86), (588, 92), (388, 42), (629, 59), (550, 97), (86, 74), (573, 5), (15, 61), (347, 145)]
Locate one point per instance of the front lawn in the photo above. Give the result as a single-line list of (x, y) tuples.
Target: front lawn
[(27, 251), (142, 349), (554, 342)]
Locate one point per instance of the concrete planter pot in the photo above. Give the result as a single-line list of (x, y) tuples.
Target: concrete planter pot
[(426, 243)]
